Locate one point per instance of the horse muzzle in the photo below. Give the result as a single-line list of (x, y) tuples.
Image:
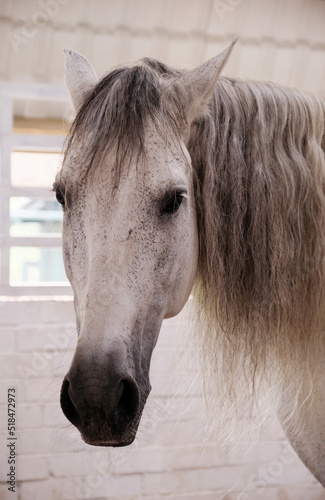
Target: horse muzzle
[(104, 405)]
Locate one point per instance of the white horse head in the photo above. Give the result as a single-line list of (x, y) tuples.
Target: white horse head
[(129, 232)]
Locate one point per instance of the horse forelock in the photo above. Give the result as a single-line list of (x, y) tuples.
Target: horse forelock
[(114, 116)]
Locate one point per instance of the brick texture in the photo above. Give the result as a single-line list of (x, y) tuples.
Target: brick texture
[(170, 458)]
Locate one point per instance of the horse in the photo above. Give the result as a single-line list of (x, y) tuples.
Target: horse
[(178, 182)]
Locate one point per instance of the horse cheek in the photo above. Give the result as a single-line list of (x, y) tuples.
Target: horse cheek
[(183, 274)]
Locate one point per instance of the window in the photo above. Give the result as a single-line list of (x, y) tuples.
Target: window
[(30, 218)]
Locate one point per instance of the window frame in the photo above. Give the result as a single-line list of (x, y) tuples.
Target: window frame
[(11, 141)]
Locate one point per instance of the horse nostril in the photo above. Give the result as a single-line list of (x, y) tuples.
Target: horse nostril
[(67, 405), (128, 404)]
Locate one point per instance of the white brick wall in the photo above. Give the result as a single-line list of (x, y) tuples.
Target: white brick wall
[(169, 459)]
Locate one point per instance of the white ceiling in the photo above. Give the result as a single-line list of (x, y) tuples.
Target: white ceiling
[(280, 40)]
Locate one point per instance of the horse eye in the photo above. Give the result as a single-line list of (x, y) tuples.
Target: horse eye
[(173, 203), (60, 196)]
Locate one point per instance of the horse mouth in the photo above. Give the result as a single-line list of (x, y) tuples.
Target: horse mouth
[(99, 434), (109, 442), (98, 431)]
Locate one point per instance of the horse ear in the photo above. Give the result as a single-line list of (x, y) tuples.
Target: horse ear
[(199, 83), (79, 76)]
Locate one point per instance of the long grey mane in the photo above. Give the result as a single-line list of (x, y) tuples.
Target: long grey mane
[(260, 163)]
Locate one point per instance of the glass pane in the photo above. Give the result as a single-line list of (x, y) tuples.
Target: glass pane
[(34, 169), (36, 265), (35, 216)]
